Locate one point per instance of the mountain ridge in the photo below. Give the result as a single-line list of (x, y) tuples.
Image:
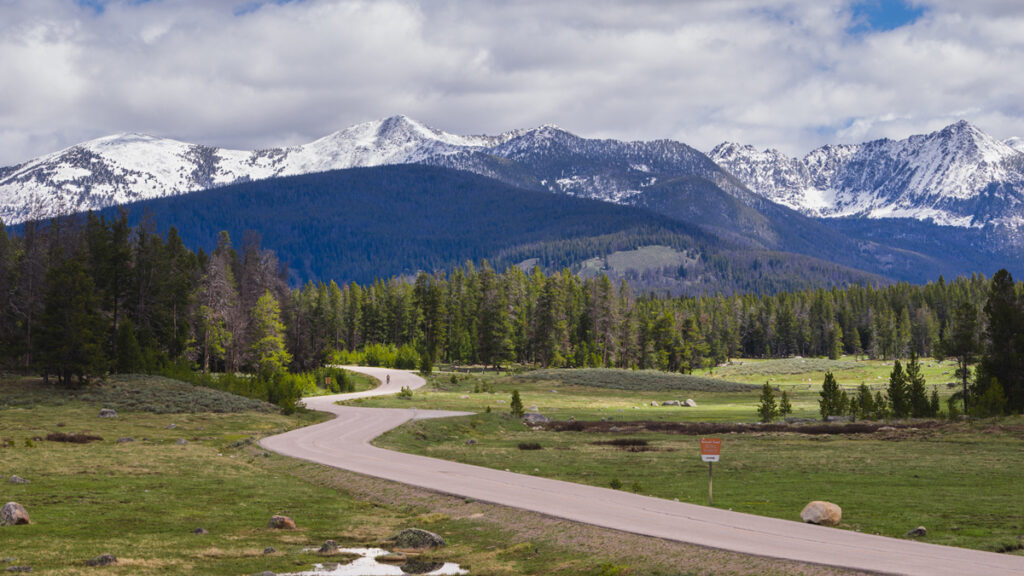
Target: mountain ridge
[(958, 176)]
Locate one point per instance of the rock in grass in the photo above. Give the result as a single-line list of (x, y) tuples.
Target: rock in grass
[(200, 531), (670, 403), (102, 560), (108, 413), (690, 403), (279, 522), (417, 539), (533, 418), (125, 439), (13, 514), (822, 513), (917, 532), (329, 547), (17, 480), (470, 442), (18, 569), (269, 550), (181, 442)]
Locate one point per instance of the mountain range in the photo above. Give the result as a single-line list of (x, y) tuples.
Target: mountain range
[(943, 203)]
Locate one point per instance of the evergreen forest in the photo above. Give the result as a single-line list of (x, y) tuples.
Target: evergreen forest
[(80, 298)]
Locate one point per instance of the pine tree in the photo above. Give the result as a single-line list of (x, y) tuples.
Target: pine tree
[(785, 407), (962, 344), (863, 403), (129, 353), (831, 402), (516, 405), (72, 331), (916, 390), (767, 409), (899, 402), (1003, 360), (268, 334)]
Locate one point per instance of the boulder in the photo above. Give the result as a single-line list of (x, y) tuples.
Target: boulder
[(653, 403), (102, 560), (329, 547), (108, 413), (822, 513), (125, 439), (533, 418), (13, 514), (17, 480), (690, 403), (281, 523), (417, 539), (917, 532), (670, 403)]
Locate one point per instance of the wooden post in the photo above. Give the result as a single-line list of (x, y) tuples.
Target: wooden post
[(711, 500)]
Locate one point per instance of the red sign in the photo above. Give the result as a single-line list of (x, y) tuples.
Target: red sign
[(710, 449)]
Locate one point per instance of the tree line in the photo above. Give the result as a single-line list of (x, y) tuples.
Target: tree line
[(81, 297)]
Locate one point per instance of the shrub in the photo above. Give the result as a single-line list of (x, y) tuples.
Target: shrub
[(530, 446), (615, 484), (72, 438)]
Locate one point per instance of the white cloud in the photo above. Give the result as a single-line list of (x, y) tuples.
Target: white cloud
[(236, 73)]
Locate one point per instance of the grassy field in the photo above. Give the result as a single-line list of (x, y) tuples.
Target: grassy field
[(960, 480), (196, 466)]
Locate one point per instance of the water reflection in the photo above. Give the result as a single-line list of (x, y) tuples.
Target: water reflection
[(367, 565)]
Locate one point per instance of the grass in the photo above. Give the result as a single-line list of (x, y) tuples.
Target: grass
[(140, 393), (960, 480), (629, 398), (808, 373), (141, 500), (650, 380)]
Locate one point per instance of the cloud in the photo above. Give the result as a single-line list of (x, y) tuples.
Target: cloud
[(790, 74)]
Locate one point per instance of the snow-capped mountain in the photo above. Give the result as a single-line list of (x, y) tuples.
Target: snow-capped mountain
[(128, 167), (958, 176)]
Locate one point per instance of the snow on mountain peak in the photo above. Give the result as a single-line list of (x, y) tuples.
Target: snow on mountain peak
[(945, 176)]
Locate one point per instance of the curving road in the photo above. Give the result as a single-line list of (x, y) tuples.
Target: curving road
[(344, 442)]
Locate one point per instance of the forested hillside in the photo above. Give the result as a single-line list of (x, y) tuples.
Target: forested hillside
[(368, 223), (81, 298)]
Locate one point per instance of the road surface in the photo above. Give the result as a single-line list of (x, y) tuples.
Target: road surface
[(344, 442)]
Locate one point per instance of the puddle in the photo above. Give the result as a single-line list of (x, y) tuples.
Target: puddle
[(367, 565)]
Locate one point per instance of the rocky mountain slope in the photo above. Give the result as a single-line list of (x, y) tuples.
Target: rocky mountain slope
[(130, 167), (958, 176)]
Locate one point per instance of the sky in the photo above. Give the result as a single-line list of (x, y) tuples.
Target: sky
[(248, 74)]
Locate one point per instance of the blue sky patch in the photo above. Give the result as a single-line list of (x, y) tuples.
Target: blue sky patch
[(883, 15)]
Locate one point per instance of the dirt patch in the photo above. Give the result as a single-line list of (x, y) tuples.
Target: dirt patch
[(703, 428)]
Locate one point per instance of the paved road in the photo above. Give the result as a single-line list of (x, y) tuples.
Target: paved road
[(345, 443)]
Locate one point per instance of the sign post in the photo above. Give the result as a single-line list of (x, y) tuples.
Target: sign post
[(710, 450)]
